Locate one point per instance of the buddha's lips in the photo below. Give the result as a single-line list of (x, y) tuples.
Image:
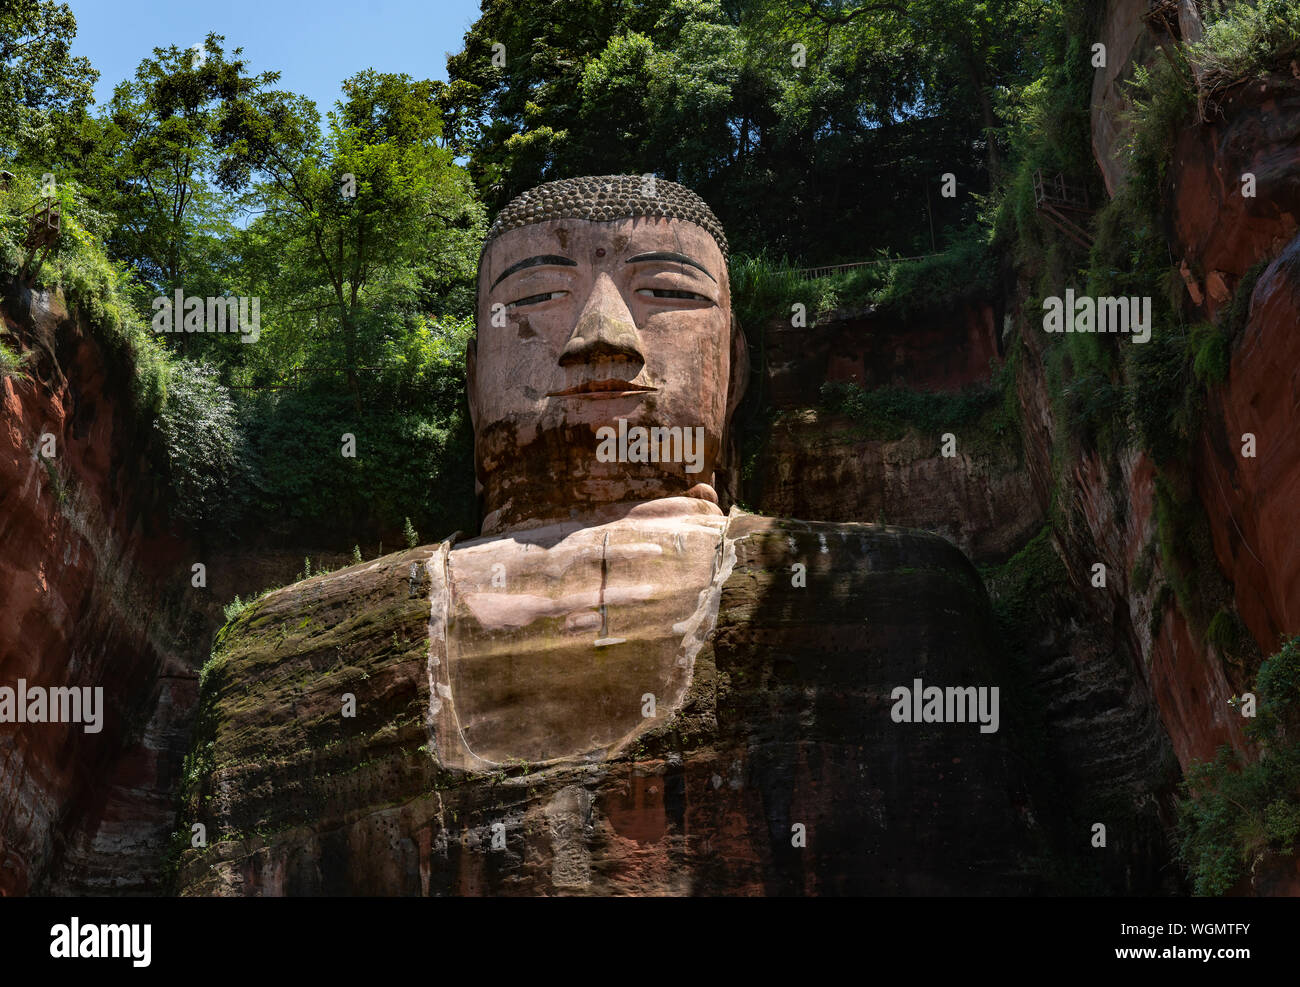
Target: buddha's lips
[(612, 388)]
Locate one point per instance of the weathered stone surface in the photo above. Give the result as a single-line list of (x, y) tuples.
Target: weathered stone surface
[(91, 599), (1109, 509), (934, 352), (1253, 501), (786, 720), (550, 640), (823, 466), (820, 465), (1223, 231), (1128, 44)]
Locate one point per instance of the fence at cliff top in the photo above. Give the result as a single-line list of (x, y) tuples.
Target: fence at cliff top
[(812, 273)]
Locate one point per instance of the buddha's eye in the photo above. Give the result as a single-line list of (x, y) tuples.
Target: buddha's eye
[(671, 293), (545, 296)]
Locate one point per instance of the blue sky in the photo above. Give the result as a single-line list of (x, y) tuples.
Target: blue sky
[(314, 44)]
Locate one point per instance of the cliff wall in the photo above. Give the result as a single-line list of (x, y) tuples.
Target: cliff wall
[(94, 589)]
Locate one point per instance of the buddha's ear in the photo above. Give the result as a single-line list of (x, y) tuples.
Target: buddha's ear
[(471, 378), (739, 379)]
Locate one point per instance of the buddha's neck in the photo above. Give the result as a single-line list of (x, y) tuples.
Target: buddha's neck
[(699, 500)]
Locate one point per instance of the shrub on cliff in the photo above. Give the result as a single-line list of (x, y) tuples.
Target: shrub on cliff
[(416, 462), (1242, 40), (204, 446), (965, 271), (890, 411), (11, 361), (763, 290), (93, 284), (1235, 811)]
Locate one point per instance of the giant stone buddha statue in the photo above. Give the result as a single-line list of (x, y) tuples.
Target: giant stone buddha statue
[(617, 686)]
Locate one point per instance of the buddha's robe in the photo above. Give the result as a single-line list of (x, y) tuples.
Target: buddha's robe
[(646, 706)]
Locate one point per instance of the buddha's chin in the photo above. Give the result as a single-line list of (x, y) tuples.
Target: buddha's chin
[(699, 500)]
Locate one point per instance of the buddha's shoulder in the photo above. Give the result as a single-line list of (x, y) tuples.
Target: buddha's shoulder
[(846, 587), (330, 618), (879, 548)]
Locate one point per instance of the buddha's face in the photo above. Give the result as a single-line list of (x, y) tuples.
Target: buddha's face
[(581, 324)]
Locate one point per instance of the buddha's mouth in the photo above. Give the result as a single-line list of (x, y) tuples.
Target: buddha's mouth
[(611, 388)]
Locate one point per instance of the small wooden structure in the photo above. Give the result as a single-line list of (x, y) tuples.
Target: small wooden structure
[(42, 232), (1162, 18), (1064, 205)]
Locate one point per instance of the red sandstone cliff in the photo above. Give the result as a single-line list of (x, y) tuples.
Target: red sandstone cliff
[(91, 597)]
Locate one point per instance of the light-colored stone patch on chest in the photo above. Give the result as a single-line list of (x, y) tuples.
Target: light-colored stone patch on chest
[(553, 639)]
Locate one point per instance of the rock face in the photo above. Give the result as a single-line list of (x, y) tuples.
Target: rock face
[(1107, 712), (1250, 500), (1128, 44), (815, 464), (1222, 230), (784, 729), (823, 466), (1109, 517), (1254, 500), (936, 352), (86, 605)]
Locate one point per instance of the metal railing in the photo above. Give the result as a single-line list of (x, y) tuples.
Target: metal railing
[(1060, 193), (1063, 205), (812, 273)]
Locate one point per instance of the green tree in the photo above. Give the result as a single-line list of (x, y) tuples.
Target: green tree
[(810, 127), (363, 225), (41, 83), (152, 156), (511, 114)]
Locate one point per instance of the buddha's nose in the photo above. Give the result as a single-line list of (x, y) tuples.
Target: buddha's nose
[(605, 329)]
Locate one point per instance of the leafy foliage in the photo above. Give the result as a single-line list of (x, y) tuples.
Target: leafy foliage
[(149, 157), (103, 289), (408, 463), (200, 432), (1236, 810), (1242, 40), (890, 411), (805, 151), (11, 361), (367, 227), (42, 86), (763, 290)]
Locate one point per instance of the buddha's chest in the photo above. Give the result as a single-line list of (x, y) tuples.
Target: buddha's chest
[(562, 642)]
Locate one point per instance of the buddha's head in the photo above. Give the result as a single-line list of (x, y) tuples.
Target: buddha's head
[(601, 299)]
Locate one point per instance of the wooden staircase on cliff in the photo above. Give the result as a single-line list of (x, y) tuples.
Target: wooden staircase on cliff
[(1063, 205), (42, 233)]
